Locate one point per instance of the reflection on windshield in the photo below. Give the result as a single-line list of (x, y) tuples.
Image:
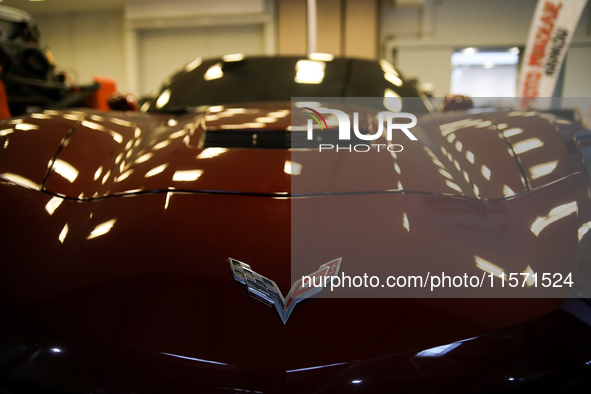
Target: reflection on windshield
[(309, 71)]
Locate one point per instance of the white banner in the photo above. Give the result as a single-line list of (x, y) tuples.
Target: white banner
[(550, 34)]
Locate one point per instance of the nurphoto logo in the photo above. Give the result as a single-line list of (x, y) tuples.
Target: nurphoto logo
[(345, 129)]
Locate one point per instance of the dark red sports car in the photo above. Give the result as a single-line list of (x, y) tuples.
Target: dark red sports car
[(135, 247)]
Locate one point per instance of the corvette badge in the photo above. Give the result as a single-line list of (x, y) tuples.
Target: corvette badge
[(267, 291)]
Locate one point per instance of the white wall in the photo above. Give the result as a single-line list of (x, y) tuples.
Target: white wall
[(448, 24), (86, 43), (428, 64), (577, 81), (163, 51)]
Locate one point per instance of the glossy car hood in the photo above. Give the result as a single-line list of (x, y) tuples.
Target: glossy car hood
[(148, 273), (479, 155)]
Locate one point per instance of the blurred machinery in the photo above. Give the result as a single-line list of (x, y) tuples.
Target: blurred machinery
[(28, 72)]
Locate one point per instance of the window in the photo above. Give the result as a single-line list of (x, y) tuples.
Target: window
[(484, 72)]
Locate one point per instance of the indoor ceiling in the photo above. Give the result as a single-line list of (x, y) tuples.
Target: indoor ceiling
[(49, 6)]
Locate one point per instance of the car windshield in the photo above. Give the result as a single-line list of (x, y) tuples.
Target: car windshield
[(259, 79)]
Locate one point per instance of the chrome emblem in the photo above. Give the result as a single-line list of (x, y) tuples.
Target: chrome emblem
[(267, 291)]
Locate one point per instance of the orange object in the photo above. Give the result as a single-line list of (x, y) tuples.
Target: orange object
[(100, 97), (4, 110)]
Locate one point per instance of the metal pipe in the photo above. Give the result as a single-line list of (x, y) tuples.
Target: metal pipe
[(311, 26)]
